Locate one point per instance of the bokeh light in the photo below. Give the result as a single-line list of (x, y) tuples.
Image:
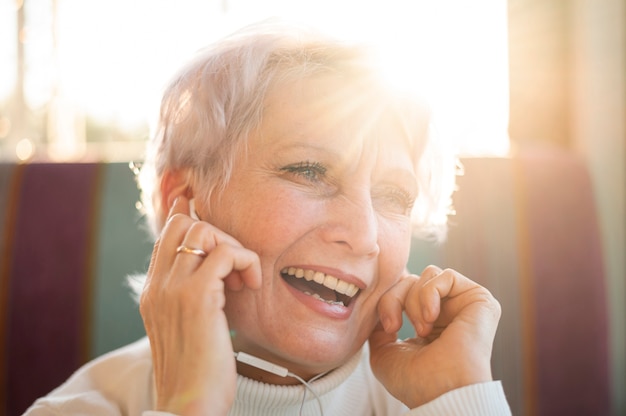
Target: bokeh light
[(24, 150)]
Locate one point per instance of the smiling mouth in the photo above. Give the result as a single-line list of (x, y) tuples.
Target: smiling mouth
[(321, 286)]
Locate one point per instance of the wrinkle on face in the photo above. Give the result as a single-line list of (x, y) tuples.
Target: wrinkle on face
[(288, 221)]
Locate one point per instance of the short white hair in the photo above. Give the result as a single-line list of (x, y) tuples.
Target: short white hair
[(212, 105)]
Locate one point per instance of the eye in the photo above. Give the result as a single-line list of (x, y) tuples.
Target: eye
[(394, 200), (310, 171)]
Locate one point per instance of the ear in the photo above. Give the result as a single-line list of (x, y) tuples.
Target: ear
[(173, 184)]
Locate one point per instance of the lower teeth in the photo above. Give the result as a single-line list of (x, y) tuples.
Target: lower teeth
[(330, 302)]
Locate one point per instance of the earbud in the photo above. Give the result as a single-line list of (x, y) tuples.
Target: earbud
[(259, 363)]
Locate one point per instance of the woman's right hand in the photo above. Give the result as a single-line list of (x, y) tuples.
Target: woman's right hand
[(182, 309)]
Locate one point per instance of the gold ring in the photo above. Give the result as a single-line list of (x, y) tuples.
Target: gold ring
[(196, 251)]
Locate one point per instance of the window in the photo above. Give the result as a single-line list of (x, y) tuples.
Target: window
[(94, 70)]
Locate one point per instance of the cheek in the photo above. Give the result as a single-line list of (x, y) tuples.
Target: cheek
[(395, 245), (272, 220)]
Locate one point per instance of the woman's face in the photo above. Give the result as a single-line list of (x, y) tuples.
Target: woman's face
[(324, 207)]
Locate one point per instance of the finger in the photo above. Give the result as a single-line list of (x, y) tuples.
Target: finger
[(179, 206), (413, 303), (173, 231), (447, 295), (164, 250), (236, 265), (203, 232), (379, 339), (167, 261), (427, 308), (200, 235), (447, 284), (392, 303)]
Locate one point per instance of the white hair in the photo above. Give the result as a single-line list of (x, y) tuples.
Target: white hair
[(212, 105)]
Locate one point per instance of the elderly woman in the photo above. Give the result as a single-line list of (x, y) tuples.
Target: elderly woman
[(284, 183)]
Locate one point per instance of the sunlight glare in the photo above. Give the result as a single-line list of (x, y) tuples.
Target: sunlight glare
[(451, 53), (458, 62), (113, 58)]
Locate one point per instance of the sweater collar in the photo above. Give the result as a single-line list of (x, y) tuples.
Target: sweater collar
[(263, 395)]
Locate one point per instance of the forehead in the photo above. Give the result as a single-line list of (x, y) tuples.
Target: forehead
[(346, 114)]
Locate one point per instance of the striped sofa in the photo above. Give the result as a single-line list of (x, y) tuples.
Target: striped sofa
[(525, 228)]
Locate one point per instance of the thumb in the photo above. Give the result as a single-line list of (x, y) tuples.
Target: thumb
[(380, 343)]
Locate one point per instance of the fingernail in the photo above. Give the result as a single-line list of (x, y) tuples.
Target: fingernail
[(419, 328), (426, 312), (386, 321)]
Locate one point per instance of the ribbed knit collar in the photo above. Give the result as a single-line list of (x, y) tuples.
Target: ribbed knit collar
[(264, 397)]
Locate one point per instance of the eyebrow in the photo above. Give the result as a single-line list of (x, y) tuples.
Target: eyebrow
[(408, 181), (308, 146)]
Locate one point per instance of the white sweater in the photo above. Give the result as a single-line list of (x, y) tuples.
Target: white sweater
[(121, 383)]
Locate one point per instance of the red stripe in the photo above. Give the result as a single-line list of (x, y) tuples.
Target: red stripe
[(48, 279), (527, 290), (569, 286)]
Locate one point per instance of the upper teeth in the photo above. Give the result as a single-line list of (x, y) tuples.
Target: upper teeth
[(331, 282)]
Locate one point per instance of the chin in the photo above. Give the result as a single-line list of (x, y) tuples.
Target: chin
[(321, 350), (298, 333)]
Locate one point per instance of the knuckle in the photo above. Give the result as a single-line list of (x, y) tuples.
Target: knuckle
[(432, 270), (490, 302), (496, 307), (200, 226), (409, 279), (223, 249), (145, 303)]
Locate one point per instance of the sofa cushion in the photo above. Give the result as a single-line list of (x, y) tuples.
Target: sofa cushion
[(525, 228), (69, 236)]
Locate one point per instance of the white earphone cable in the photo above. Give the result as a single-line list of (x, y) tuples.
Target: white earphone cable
[(283, 372)]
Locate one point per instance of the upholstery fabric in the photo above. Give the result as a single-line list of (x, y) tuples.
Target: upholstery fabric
[(525, 228), (70, 234)]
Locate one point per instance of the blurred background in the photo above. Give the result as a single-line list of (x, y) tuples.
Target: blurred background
[(80, 81)]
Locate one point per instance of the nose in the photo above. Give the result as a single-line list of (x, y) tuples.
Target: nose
[(352, 224)]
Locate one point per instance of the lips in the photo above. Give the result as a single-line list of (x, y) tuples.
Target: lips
[(321, 286)]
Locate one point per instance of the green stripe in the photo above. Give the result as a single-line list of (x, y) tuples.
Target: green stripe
[(123, 248)]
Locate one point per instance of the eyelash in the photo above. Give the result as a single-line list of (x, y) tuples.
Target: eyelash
[(312, 171), (400, 197)]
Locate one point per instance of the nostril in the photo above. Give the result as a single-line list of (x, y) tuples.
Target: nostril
[(361, 247), (353, 230)]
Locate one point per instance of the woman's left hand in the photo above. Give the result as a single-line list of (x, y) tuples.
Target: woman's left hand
[(455, 320)]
